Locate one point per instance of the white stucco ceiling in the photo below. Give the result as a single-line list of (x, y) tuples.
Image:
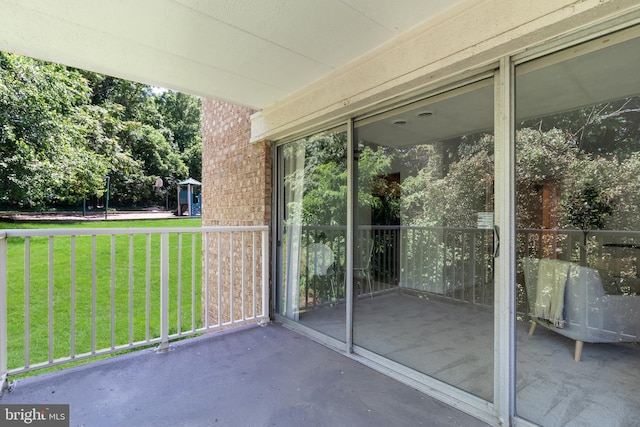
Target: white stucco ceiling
[(248, 52)]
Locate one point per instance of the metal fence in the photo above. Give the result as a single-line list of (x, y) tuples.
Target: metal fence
[(614, 253), (456, 263), (383, 264), (449, 262), (453, 263), (72, 294)]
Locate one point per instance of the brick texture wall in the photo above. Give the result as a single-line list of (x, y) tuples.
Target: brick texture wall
[(236, 191), (236, 174)]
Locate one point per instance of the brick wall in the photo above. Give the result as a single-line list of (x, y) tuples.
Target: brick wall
[(236, 190), (236, 175)]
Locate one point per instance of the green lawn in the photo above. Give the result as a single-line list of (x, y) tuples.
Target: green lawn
[(127, 299)]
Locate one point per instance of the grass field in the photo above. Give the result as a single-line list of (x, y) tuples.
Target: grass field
[(129, 295)]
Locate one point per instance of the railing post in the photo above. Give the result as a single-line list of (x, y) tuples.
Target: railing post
[(164, 293), (265, 278), (3, 312)]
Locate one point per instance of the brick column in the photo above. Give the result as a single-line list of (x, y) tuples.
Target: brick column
[(236, 190), (236, 175)]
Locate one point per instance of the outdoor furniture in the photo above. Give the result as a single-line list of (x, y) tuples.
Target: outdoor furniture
[(570, 299), (363, 271), (320, 262)]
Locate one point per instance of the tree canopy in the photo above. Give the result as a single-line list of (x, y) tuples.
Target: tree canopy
[(587, 162), (576, 170), (63, 131)]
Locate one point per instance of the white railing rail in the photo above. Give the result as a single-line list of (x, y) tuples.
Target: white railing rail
[(81, 293)]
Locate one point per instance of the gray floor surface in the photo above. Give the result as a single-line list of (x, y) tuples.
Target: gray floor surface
[(256, 376), (454, 343)]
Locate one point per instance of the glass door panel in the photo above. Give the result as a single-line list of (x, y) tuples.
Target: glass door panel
[(578, 242), (312, 203), (423, 277)]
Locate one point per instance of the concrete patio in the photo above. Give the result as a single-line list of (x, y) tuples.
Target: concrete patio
[(453, 342), (253, 376)]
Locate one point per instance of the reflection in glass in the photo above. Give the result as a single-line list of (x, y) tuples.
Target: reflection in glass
[(578, 245), (425, 200), (312, 233)]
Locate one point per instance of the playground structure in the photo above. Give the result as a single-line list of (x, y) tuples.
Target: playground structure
[(189, 203)]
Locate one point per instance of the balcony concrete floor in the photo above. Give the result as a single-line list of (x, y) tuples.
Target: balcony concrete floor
[(254, 376), (454, 343)]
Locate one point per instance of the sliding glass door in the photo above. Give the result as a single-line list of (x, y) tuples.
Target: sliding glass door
[(423, 239), (416, 241), (578, 245), (311, 239)]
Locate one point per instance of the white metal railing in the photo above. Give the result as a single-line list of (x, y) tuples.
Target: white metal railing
[(79, 293)]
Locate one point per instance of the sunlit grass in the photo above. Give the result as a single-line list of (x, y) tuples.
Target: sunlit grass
[(128, 293)]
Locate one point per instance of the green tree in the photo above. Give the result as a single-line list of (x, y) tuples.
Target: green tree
[(182, 117), (586, 191), (192, 158), (378, 195), (175, 116), (182, 114), (64, 130), (616, 122), (154, 158), (450, 196), (543, 159), (325, 179), (135, 100), (44, 121)]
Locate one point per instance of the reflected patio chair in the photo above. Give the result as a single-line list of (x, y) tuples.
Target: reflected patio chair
[(570, 299), (365, 252), (320, 263)]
